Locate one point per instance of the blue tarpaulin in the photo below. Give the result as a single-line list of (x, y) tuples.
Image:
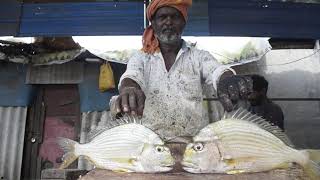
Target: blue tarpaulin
[(92, 18), (91, 99), (13, 90), (264, 19)]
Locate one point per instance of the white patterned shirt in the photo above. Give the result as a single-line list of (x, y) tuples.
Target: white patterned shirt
[(174, 98)]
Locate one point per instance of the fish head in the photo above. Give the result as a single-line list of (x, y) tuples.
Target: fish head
[(156, 158), (201, 157)]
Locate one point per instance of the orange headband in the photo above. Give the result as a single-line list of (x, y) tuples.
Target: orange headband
[(149, 41)]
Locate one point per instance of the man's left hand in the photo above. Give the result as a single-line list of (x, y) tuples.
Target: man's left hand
[(233, 88)]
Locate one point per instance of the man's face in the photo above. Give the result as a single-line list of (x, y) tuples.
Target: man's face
[(256, 97), (168, 24)]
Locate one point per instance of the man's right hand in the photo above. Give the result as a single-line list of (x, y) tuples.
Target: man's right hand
[(131, 98)]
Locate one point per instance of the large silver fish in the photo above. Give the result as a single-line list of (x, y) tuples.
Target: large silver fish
[(130, 147), (242, 142)]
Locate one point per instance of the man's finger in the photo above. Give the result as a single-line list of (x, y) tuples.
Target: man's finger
[(140, 101), (118, 104), (124, 103), (132, 103), (243, 89)]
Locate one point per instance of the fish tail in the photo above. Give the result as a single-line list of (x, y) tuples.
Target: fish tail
[(68, 146), (312, 167), (314, 155)]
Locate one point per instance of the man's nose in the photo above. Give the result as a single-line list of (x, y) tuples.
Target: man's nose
[(168, 20)]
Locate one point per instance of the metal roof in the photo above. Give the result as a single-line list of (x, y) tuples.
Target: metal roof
[(12, 130)]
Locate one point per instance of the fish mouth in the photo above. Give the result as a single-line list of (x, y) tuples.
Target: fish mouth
[(186, 164)]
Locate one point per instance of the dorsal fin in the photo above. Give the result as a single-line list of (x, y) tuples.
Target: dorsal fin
[(243, 114), (125, 119)]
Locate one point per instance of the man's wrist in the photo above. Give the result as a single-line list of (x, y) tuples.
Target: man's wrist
[(129, 83)]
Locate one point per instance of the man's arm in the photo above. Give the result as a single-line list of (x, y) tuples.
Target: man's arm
[(230, 88), (131, 98)]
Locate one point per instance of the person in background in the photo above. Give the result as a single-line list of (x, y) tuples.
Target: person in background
[(163, 82), (261, 105)]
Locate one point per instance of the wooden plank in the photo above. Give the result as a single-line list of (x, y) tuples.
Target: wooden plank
[(294, 173), (177, 149)]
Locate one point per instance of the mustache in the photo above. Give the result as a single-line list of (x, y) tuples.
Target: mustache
[(164, 29)]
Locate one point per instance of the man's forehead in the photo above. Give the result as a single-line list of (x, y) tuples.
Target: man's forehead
[(167, 10)]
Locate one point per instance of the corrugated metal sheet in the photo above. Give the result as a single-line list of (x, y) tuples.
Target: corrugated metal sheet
[(67, 73), (264, 19), (10, 11), (94, 18), (92, 122), (12, 128)]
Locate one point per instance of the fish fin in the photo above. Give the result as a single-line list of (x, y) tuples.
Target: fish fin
[(312, 169), (235, 171), (68, 146), (125, 119), (243, 114), (284, 165), (121, 170), (314, 155), (129, 161), (235, 161)]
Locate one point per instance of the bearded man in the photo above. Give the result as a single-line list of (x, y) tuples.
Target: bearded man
[(163, 81)]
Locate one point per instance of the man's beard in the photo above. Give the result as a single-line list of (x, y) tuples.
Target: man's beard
[(168, 38)]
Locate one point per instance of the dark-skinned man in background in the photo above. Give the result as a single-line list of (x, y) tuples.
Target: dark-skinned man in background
[(163, 82), (261, 105)]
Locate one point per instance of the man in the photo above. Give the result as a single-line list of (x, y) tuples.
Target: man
[(261, 105), (162, 84)]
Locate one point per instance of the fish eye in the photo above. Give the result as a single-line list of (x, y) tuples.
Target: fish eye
[(198, 147), (160, 149)]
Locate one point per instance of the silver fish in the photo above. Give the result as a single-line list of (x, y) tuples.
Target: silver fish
[(241, 142), (130, 147)]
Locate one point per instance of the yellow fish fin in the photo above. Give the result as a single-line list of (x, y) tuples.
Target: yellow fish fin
[(235, 171), (68, 146), (312, 169), (312, 166), (284, 165), (239, 160), (129, 161), (68, 158), (121, 170), (314, 155)]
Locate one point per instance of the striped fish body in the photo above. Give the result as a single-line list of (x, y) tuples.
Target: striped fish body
[(127, 148), (237, 145)]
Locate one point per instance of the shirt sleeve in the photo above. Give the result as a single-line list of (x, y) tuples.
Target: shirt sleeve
[(211, 69), (135, 70)]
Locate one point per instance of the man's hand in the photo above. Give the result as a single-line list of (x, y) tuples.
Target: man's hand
[(131, 99), (233, 88)]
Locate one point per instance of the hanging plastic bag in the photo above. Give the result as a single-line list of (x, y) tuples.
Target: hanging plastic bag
[(106, 80)]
